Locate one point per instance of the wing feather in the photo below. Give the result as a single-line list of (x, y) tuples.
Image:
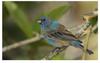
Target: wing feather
[(61, 33)]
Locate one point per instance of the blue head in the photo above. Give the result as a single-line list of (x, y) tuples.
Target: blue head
[(43, 21)]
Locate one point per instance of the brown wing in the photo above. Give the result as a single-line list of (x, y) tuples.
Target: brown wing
[(61, 28)]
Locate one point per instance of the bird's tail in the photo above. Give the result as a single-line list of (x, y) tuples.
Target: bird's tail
[(90, 51)]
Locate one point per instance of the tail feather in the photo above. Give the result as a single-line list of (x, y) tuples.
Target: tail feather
[(81, 45), (90, 52)]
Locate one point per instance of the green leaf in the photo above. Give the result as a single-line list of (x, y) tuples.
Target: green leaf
[(94, 20), (58, 12), (19, 18)]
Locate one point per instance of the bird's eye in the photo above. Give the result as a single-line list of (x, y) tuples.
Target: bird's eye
[(43, 19)]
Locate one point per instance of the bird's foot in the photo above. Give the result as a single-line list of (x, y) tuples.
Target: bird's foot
[(56, 49), (59, 49)]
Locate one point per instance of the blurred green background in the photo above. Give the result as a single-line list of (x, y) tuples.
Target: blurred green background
[(19, 23)]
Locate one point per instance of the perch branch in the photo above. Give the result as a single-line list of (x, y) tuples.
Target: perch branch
[(55, 52), (22, 43)]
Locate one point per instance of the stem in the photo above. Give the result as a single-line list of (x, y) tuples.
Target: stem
[(86, 44)]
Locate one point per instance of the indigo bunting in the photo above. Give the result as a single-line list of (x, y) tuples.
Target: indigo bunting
[(56, 35)]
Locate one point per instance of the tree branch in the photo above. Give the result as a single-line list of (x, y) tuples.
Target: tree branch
[(55, 52), (22, 43)]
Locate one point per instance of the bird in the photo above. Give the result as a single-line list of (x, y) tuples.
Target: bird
[(58, 36)]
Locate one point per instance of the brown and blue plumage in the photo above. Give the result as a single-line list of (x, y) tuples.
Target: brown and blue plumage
[(57, 36)]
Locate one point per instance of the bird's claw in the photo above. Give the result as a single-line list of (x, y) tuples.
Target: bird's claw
[(59, 49)]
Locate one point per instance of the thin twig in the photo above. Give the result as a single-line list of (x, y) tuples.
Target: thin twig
[(22, 43), (85, 47), (88, 38)]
